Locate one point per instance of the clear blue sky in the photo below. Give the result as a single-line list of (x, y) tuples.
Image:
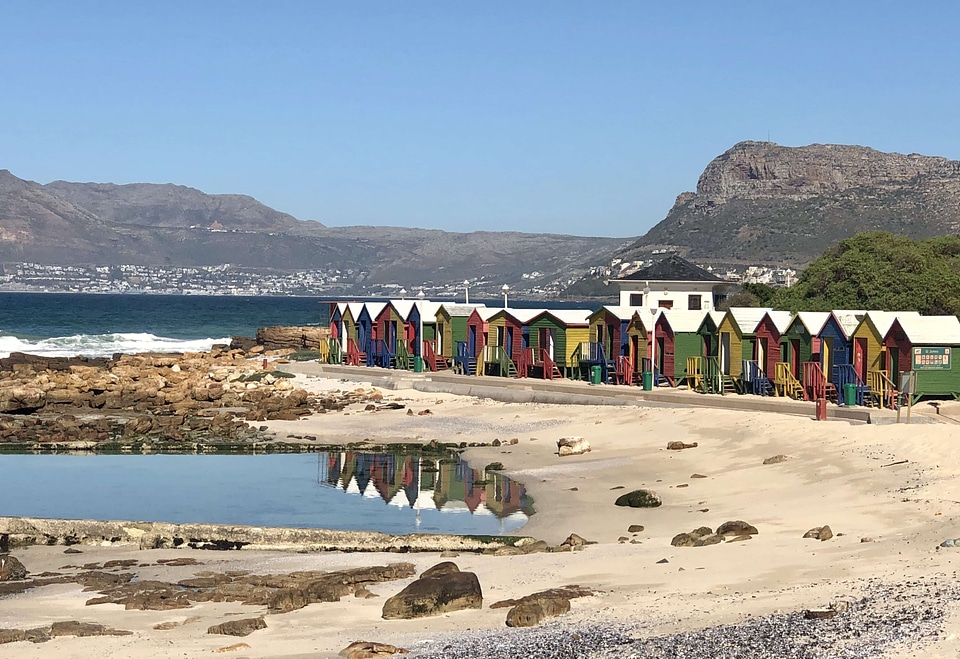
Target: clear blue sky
[(569, 117)]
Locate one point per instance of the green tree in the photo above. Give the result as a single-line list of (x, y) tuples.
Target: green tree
[(883, 271)]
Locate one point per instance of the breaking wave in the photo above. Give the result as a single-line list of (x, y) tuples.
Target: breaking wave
[(102, 345)]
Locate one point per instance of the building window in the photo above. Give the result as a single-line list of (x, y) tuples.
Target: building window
[(666, 304), (636, 299), (694, 302)]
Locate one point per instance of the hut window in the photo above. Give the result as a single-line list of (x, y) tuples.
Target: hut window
[(636, 299), (666, 304), (694, 302)]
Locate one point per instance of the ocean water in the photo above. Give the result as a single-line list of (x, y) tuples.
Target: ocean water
[(70, 324)]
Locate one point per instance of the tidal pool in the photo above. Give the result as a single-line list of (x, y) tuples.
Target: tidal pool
[(388, 492)]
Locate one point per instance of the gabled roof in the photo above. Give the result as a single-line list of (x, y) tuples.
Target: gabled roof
[(672, 268), (747, 318), (355, 308), (571, 316), (883, 320), (457, 310), (522, 316), (930, 330), (428, 310), (683, 321), (780, 319), (716, 316), (486, 313), (374, 309), (848, 320), (402, 307), (813, 321), (642, 317), (618, 311)]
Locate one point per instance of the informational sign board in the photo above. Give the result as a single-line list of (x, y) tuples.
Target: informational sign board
[(908, 382), (931, 359)]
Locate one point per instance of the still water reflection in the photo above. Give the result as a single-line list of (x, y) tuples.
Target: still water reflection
[(392, 493)]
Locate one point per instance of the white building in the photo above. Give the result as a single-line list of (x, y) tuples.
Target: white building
[(673, 283)]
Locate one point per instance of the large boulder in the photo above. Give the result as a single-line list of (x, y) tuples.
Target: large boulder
[(534, 611), (639, 499), (370, 650), (11, 569), (440, 589), (738, 527), (243, 627), (819, 533), (572, 446)]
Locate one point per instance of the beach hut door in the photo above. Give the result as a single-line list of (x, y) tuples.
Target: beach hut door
[(795, 357), (510, 343), (473, 341), (725, 352), (762, 354), (860, 357)]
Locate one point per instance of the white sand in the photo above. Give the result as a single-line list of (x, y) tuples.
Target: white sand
[(834, 475)]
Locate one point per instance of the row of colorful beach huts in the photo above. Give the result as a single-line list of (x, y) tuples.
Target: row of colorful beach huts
[(850, 357)]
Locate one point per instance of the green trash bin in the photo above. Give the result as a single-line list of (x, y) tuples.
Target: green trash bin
[(648, 380), (417, 364), (595, 375), (850, 394)]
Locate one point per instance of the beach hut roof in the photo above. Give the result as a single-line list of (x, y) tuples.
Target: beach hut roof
[(402, 307), (781, 319), (848, 319), (374, 308), (883, 320), (684, 321), (813, 320), (931, 330), (747, 318), (716, 316), (429, 309), (570, 316), (355, 308), (619, 311), (457, 310), (522, 316), (641, 317)]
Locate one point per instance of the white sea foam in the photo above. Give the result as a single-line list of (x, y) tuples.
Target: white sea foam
[(102, 345)]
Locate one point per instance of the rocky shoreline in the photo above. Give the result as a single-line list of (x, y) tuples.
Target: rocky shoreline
[(155, 402)]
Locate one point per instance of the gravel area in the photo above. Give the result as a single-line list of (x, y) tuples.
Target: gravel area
[(886, 618)]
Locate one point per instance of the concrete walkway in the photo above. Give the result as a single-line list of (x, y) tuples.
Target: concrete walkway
[(572, 392)]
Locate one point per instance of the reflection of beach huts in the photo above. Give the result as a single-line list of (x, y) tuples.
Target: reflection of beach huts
[(924, 346)]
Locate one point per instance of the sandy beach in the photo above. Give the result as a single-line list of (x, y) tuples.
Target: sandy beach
[(890, 494)]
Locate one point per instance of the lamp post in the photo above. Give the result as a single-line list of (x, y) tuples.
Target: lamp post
[(403, 294), (504, 289), (466, 291), (653, 332)]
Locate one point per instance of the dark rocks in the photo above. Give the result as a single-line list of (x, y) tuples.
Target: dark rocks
[(440, 589), (243, 627), (635, 528), (533, 609), (692, 538), (11, 569), (76, 628), (679, 446), (776, 459), (738, 527), (819, 533), (574, 540), (639, 499)]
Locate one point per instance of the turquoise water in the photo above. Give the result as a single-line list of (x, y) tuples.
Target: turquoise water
[(391, 493)]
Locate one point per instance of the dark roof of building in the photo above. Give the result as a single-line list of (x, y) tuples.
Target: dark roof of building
[(672, 268)]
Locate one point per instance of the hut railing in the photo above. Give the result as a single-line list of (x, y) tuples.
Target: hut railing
[(785, 383), (754, 380), (695, 380), (435, 362), (354, 355), (590, 351), (882, 389), (844, 374), (550, 370), (625, 372), (525, 362), (334, 351), (814, 381)]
